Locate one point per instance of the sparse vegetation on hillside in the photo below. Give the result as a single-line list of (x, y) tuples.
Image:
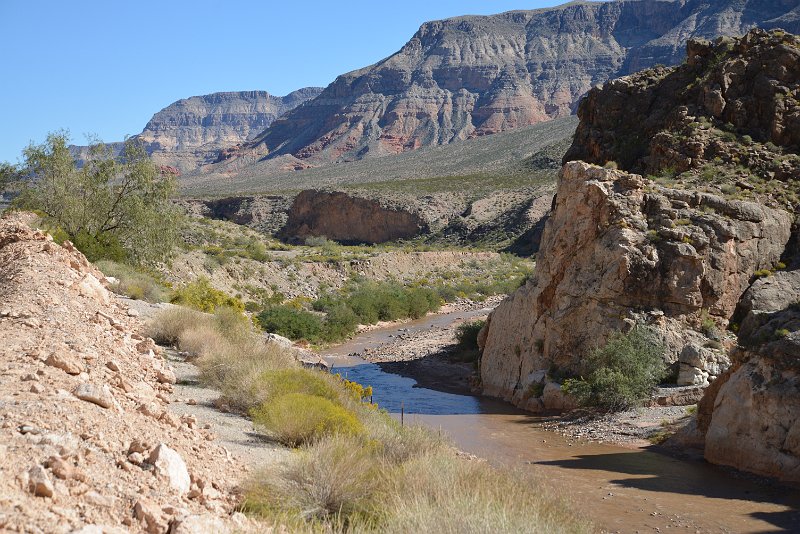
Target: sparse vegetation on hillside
[(135, 282), (621, 374), (111, 208)]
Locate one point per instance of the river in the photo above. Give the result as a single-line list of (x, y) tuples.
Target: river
[(619, 489)]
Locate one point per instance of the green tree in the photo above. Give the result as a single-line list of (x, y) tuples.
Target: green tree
[(621, 374), (111, 206)]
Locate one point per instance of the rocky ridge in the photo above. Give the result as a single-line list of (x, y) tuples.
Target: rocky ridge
[(618, 250), (729, 117), (88, 444), (471, 76)]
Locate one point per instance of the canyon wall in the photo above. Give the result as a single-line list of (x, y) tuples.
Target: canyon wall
[(618, 250)]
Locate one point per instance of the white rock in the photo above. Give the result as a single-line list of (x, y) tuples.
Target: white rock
[(199, 524), (169, 464), (90, 287), (100, 395)]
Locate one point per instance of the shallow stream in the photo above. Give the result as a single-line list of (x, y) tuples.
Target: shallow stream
[(619, 489)]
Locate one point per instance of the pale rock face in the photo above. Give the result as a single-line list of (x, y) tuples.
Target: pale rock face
[(169, 464), (752, 418), (616, 250)]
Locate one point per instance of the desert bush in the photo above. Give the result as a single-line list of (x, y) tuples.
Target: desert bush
[(201, 295), (167, 327), (345, 483), (113, 207), (281, 382), (332, 477), (298, 418), (134, 283), (621, 374), (340, 323), (288, 321), (443, 493), (467, 334)]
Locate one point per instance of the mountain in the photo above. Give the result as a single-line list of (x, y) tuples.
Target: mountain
[(476, 75), (192, 131)]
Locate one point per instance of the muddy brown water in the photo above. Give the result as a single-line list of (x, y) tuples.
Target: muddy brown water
[(620, 489)]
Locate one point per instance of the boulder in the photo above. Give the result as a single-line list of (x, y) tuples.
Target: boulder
[(168, 464), (99, 395)]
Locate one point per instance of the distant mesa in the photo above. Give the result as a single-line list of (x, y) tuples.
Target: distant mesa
[(192, 131)]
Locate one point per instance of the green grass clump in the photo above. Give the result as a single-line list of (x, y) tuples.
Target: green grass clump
[(622, 374), (134, 282), (298, 418), (201, 295)]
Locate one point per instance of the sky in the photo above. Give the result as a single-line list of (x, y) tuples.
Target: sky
[(105, 67)]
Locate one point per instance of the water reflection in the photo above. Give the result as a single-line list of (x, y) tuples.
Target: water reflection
[(390, 391)]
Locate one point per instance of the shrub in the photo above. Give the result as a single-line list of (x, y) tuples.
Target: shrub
[(133, 283), (332, 477), (467, 334), (291, 322), (621, 374), (340, 323), (201, 295), (167, 327), (113, 207), (298, 418), (278, 383)]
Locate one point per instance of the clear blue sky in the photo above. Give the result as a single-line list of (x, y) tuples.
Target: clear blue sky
[(105, 67)]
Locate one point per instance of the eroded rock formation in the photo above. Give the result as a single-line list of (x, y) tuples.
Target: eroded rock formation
[(348, 219), (619, 249), (731, 110), (751, 418)]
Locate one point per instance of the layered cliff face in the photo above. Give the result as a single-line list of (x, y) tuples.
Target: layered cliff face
[(618, 250), (730, 113), (192, 131), (471, 76)]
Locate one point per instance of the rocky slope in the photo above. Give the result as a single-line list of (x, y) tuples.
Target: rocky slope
[(86, 442), (471, 76), (729, 116), (618, 249), (192, 131)]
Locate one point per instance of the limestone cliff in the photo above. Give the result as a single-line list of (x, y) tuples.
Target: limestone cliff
[(471, 76), (619, 249)]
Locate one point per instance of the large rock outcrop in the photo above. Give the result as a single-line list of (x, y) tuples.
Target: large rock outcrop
[(751, 419), (193, 131), (470, 76), (730, 112), (619, 249), (348, 219)]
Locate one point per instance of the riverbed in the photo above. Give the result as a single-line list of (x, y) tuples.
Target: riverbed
[(620, 489)]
